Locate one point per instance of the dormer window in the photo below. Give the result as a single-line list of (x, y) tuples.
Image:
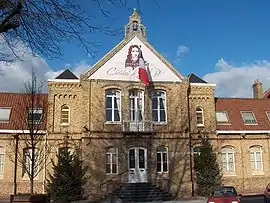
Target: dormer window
[(248, 117), (222, 117), (35, 115)]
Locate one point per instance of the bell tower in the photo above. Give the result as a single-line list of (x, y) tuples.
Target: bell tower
[(134, 26)]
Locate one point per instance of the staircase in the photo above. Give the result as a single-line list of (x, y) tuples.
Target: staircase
[(140, 192)]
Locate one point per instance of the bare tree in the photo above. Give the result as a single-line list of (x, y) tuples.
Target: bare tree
[(43, 25), (30, 147)]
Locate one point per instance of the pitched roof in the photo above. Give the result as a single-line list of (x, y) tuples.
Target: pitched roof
[(18, 102), (195, 79), (67, 74), (267, 94), (233, 106)]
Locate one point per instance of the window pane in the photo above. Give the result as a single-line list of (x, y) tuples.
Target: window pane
[(221, 117), (158, 157), (108, 102), (165, 167), (155, 115), (114, 168), (162, 115), (115, 102), (108, 115), (141, 158), (161, 102), (154, 103), (108, 158), (199, 118), (108, 168), (116, 115), (114, 158), (164, 157), (158, 167), (248, 117), (132, 158), (4, 114)]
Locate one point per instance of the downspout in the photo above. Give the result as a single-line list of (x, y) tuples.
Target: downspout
[(16, 163), (190, 142), (45, 161)]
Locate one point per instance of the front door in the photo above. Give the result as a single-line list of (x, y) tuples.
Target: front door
[(137, 162)]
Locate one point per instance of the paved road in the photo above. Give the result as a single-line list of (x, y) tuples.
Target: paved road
[(255, 199)]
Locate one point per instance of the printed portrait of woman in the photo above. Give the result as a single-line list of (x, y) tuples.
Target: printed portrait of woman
[(133, 56)]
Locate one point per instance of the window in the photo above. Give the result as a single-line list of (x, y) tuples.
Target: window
[(248, 117), (27, 161), (112, 105), (35, 115), (222, 117), (199, 116), (111, 161), (136, 105), (162, 159), (197, 151), (268, 115), (2, 159), (62, 149), (227, 158), (65, 115), (4, 114), (256, 158), (159, 106)]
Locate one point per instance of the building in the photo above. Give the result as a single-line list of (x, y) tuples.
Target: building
[(130, 133)]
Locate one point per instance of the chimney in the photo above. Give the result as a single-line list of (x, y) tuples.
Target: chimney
[(257, 89)]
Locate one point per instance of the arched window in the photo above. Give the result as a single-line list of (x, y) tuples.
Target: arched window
[(2, 161), (256, 158), (227, 159), (159, 106), (199, 116), (65, 115), (111, 160), (136, 105), (162, 159), (113, 105)]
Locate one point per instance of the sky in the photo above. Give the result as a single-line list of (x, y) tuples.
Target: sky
[(224, 42)]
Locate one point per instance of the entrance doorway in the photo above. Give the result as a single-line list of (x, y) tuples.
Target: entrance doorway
[(137, 163)]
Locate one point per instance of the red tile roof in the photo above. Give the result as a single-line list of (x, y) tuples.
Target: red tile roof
[(233, 106), (267, 94), (19, 102)]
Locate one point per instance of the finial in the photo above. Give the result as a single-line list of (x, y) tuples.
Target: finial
[(135, 16)]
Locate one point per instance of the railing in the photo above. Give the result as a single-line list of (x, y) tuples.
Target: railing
[(137, 126)]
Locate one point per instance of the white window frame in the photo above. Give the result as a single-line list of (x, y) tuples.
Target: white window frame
[(228, 150), (35, 111), (224, 114), (136, 107), (61, 114), (252, 150), (28, 164), (117, 96), (8, 109), (242, 115), (111, 154), (2, 162), (163, 96), (162, 161), (199, 110)]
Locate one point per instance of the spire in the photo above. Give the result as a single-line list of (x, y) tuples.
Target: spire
[(134, 26)]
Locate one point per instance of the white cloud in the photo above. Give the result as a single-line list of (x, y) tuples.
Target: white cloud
[(14, 75), (236, 80), (181, 52)]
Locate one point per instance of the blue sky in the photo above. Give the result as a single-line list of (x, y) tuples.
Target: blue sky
[(220, 41)]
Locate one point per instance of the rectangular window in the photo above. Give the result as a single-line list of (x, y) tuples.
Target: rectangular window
[(228, 162), (28, 162), (112, 105), (248, 117), (4, 114), (111, 161), (162, 159), (35, 115), (222, 117), (2, 159), (136, 105), (159, 106), (256, 163)]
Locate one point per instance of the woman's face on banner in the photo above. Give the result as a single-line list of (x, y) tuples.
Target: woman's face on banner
[(134, 53)]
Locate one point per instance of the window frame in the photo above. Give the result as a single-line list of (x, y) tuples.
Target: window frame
[(162, 162), (226, 115), (260, 151), (253, 115), (35, 109), (61, 114), (2, 165), (154, 95), (112, 104), (4, 108), (26, 158), (228, 150), (200, 111), (111, 160)]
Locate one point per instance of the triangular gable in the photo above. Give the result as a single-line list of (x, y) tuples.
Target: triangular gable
[(118, 64)]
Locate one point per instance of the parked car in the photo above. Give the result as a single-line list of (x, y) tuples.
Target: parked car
[(224, 194), (267, 194)]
